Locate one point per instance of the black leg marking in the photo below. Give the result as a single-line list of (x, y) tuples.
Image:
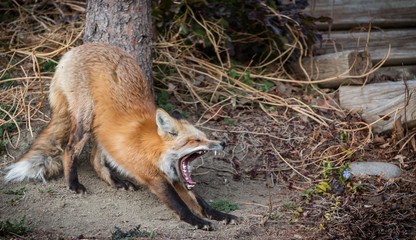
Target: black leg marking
[(213, 213), (119, 183), (176, 204), (73, 179)]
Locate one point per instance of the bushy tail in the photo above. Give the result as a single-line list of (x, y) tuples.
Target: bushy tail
[(46, 156)]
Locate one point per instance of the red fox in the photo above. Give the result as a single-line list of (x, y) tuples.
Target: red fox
[(99, 91)]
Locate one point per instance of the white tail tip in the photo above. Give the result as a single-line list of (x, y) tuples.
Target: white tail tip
[(23, 171)]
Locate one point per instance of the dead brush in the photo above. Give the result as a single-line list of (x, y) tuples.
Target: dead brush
[(33, 36)]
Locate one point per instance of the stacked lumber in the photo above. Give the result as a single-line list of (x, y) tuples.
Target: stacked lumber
[(347, 14), (383, 102), (393, 25), (402, 42), (341, 67)]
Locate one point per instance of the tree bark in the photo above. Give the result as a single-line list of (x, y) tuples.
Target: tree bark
[(125, 24)]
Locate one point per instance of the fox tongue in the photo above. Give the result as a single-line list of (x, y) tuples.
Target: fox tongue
[(185, 173)]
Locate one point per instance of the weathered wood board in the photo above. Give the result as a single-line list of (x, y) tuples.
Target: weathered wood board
[(406, 72), (374, 101), (342, 65), (347, 14), (402, 41)]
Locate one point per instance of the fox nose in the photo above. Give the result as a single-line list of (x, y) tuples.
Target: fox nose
[(223, 144)]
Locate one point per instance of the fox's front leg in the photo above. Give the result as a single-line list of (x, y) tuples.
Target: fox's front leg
[(167, 194), (198, 204)]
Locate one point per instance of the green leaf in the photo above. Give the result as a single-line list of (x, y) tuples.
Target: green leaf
[(233, 74)]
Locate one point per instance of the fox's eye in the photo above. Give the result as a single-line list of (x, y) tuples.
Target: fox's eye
[(173, 134), (198, 140)]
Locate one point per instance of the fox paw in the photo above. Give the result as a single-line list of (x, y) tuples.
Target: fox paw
[(78, 188), (223, 217), (205, 225), (118, 183), (230, 219), (127, 185)]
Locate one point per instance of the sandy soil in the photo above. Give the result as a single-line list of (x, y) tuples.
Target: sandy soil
[(53, 210)]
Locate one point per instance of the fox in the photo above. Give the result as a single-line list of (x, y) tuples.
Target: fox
[(99, 92)]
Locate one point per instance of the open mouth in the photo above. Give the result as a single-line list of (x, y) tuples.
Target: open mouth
[(184, 166)]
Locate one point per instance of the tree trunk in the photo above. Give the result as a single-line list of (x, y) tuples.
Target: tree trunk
[(125, 24)]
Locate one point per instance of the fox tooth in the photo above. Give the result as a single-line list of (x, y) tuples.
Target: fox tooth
[(215, 153)]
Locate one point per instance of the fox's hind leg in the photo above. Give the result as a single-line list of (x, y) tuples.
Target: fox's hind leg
[(80, 133), (104, 172)]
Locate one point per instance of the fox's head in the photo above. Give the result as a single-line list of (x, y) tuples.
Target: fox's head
[(184, 144)]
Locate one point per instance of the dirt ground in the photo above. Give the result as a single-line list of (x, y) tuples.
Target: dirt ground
[(54, 211), (379, 209)]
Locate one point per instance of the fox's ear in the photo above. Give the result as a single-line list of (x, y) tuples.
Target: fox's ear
[(165, 123), (177, 115)]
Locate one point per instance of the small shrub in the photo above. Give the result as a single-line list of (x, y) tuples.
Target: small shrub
[(16, 227), (19, 192), (224, 205)]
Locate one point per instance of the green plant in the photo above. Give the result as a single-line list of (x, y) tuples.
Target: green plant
[(275, 215), (8, 12), (343, 173), (246, 79), (327, 169), (47, 66), (161, 101), (265, 86), (289, 206), (322, 188), (133, 233), (343, 136), (15, 228), (230, 121), (224, 205), (7, 84), (19, 192)]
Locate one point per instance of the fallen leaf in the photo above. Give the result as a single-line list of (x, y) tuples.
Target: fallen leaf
[(401, 159), (379, 140), (385, 145)]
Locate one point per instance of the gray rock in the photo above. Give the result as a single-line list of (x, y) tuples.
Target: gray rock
[(375, 168)]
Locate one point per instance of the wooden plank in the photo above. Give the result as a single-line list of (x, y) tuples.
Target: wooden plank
[(347, 14), (341, 65), (402, 41), (397, 72), (374, 101)]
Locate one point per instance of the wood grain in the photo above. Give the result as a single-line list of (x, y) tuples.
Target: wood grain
[(402, 42), (347, 14), (374, 101)]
